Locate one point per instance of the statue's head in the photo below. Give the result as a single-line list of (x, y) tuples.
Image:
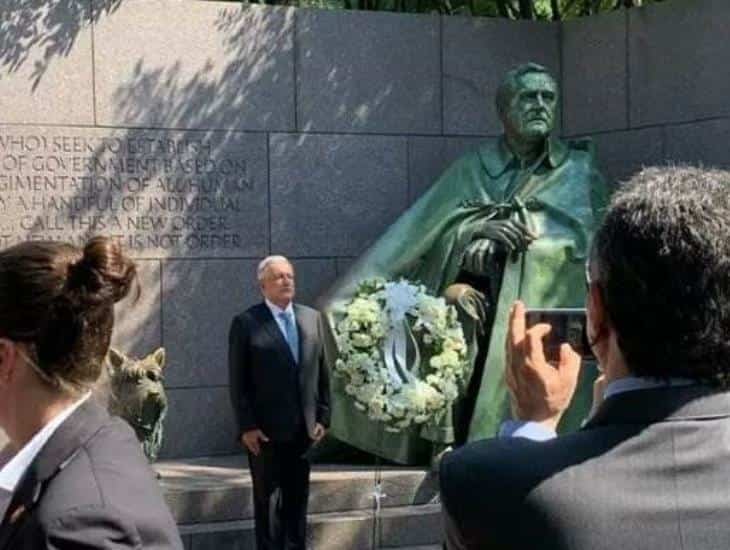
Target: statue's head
[(137, 394), (527, 102)]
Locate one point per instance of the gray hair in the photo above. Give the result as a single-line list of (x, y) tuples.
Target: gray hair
[(508, 87), (266, 262)]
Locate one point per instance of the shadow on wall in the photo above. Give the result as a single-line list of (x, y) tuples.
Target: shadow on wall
[(180, 200), (368, 72), (171, 170), (203, 205), (241, 77), (204, 197), (39, 32), (50, 28), (197, 91), (181, 193)]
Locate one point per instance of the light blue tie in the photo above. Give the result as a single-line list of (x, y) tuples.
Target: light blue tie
[(292, 338)]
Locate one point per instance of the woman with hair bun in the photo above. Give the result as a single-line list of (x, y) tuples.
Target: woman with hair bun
[(78, 479)]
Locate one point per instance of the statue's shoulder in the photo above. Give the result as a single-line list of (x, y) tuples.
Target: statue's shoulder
[(486, 148), (489, 148), (584, 145), (474, 159), (580, 152), (467, 167)]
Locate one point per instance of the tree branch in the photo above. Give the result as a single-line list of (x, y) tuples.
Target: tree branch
[(526, 11), (555, 5), (569, 6), (502, 8)]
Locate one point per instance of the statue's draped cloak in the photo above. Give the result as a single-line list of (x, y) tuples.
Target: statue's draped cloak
[(560, 198)]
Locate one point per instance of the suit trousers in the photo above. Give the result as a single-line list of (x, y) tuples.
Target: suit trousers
[(280, 475)]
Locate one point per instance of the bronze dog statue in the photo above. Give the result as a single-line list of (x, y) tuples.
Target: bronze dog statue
[(137, 395)]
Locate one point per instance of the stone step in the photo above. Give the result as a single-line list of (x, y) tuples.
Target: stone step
[(218, 489), (404, 527)]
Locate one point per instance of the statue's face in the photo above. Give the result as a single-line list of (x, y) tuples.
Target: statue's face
[(531, 112)]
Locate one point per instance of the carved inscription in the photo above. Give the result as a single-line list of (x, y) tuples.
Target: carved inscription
[(156, 192)]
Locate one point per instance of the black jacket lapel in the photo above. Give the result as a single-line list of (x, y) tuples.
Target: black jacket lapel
[(306, 341), (271, 326), (60, 449), (24, 500)]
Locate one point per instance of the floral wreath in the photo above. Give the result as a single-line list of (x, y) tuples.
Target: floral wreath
[(402, 353)]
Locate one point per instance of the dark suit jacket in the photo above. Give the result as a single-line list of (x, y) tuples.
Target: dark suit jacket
[(650, 470), (89, 487), (268, 390)]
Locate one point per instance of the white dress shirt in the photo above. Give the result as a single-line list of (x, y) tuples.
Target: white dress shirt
[(13, 471)]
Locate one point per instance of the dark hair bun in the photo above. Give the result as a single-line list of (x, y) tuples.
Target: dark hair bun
[(104, 275), (101, 277)]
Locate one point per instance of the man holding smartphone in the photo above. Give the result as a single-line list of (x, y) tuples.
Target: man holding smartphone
[(650, 467)]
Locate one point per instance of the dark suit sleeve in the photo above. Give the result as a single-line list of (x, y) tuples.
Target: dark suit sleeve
[(452, 533), (470, 520), (452, 536), (323, 391), (239, 376)]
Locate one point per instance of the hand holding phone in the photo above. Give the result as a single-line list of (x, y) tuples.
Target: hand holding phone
[(567, 325), (540, 391)]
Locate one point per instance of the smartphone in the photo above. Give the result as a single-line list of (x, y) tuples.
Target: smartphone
[(568, 326)]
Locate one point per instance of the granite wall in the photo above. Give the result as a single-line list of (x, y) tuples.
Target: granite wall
[(649, 84), (206, 135)]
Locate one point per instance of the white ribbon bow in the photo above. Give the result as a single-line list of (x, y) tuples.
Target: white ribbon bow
[(400, 298)]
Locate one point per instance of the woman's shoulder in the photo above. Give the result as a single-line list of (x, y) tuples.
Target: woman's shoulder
[(107, 476)]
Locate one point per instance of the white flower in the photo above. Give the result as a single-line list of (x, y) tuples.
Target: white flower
[(360, 340), (450, 390), (400, 298), (449, 357), (367, 321)]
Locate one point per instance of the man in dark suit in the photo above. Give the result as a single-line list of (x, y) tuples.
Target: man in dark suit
[(280, 393), (650, 468)]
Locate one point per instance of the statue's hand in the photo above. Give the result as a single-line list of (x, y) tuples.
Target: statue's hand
[(478, 256), (513, 235)]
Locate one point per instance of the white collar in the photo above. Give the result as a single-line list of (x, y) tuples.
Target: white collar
[(13, 471), (276, 310)]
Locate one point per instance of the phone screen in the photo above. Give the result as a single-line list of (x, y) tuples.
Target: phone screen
[(568, 326)]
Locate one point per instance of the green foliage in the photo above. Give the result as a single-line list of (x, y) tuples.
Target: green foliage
[(512, 9)]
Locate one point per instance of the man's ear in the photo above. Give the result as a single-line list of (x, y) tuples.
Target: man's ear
[(8, 359), (597, 321)]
